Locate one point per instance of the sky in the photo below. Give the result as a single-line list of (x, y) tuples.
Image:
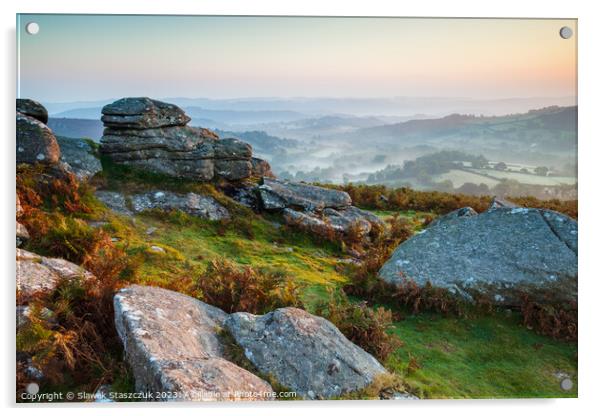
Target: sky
[(95, 57)]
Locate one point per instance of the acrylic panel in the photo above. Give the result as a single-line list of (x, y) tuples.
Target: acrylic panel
[(218, 208)]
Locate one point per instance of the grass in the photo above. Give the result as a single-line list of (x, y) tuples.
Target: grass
[(193, 245), (483, 357)]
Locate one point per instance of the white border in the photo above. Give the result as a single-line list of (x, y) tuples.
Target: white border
[(590, 137)]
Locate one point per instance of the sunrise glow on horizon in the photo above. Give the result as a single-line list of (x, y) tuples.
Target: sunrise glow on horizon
[(89, 57)]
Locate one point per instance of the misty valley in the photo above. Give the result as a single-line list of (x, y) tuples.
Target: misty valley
[(505, 148)]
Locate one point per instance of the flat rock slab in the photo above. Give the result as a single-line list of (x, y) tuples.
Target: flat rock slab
[(39, 274), (142, 113), (341, 221), (501, 254), (80, 157), (194, 204), (115, 201), (305, 353), (277, 194), (172, 346)]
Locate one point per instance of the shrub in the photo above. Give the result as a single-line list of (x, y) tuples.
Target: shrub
[(365, 283), (554, 321), (565, 207), (244, 289), (56, 190), (77, 344), (361, 324), (406, 199)]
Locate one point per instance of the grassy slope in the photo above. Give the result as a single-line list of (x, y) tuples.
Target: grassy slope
[(485, 357), (490, 356)]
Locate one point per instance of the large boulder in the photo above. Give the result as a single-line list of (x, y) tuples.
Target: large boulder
[(500, 254), (38, 274), (303, 352), (142, 113), (153, 136), (277, 194), (35, 142), (80, 156), (33, 109), (172, 345)]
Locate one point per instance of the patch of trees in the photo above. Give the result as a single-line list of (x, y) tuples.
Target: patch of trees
[(425, 167)]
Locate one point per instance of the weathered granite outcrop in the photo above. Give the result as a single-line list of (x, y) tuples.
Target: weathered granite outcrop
[(152, 135), (305, 353), (277, 194), (499, 254), (176, 343), (201, 206), (172, 345), (39, 274), (35, 142), (142, 113), (80, 157), (316, 209), (33, 109), (341, 221)]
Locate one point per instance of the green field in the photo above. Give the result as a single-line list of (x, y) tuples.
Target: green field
[(460, 177), (526, 178)]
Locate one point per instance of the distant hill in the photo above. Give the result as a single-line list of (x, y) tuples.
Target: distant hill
[(262, 142), (550, 129), (74, 127), (243, 117)]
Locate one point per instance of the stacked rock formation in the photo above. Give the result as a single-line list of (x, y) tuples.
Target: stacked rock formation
[(154, 136), (37, 144)]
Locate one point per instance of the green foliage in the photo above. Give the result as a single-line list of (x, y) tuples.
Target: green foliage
[(364, 326), (556, 321), (380, 197), (245, 289)]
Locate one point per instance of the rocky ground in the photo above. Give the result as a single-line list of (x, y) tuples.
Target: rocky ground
[(180, 203)]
